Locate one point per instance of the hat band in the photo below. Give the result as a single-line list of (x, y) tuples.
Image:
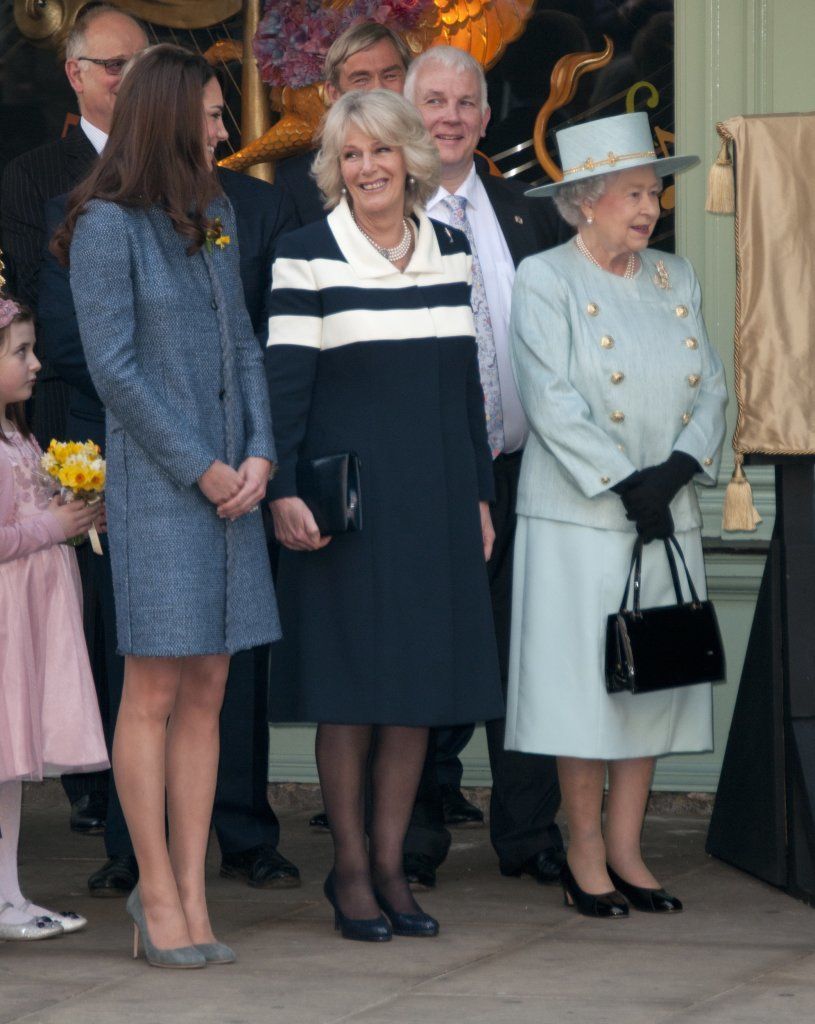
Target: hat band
[(609, 161)]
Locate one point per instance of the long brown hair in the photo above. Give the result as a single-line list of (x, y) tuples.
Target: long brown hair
[(154, 155), (15, 411)]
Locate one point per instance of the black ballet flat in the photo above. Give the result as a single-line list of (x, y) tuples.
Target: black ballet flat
[(413, 925), (368, 929), (608, 904), (652, 901)]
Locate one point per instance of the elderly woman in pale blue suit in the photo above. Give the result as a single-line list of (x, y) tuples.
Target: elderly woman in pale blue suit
[(155, 278), (625, 398)]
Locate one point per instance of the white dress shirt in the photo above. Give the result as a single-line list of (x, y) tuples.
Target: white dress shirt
[(499, 275), (96, 136)]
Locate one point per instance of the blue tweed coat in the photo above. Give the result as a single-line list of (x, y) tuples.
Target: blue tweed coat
[(171, 351)]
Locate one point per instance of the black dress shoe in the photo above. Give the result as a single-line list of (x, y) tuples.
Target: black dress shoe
[(116, 877), (607, 904), (262, 866), (362, 929), (416, 925), (320, 822), (652, 901), (420, 871), (457, 809), (544, 867), (88, 814)]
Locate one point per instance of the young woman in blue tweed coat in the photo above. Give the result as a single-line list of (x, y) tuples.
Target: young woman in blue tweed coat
[(155, 279), (389, 630)]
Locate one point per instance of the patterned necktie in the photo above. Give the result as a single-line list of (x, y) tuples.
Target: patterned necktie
[(487, 359)]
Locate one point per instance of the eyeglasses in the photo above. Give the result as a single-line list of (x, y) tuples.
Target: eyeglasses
[(113, 66)]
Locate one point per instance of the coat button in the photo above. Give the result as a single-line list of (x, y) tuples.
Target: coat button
[(681, 310), (621, 447), (686, 418), (214, 304), (693, 379), (617, 416), (617, 377), (221, 394), (691, 343), (604, 480), (708, 461), (606, 341), (592, 309)]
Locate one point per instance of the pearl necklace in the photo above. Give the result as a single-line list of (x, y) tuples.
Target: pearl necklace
[(400, 250), (630, 266)]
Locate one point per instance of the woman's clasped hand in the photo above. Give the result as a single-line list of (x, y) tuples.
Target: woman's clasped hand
[(235, 492)]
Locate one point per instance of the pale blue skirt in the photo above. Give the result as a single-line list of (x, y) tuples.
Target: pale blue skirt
[(567, 580)]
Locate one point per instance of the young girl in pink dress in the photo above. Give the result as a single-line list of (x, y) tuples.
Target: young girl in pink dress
[(49, 718)]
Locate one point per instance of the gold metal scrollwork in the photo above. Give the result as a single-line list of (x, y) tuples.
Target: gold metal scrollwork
[(631, 96), (565, 76)]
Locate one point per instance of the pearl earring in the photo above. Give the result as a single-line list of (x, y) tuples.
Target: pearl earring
[(411, 181), (344, 190), (590, 219)]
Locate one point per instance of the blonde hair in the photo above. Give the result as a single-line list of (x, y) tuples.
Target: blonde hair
[(385, 116), (360, 37)]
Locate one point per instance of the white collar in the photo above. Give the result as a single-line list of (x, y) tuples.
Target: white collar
[(367, 262), (96, 136), (468, 189)]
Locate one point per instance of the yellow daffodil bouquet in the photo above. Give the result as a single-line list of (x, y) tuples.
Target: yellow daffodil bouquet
[(79, 469)]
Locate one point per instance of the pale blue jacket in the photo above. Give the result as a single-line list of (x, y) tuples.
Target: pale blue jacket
[(614, 375)]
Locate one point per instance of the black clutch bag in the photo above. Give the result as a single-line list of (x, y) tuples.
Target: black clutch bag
[(649, 649), (330, 487)]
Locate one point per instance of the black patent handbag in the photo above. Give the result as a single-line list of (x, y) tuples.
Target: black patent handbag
[(650, 649), (330, 486)]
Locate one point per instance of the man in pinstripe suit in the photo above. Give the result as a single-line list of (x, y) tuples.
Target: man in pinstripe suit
[(449, 89), (103, 40)]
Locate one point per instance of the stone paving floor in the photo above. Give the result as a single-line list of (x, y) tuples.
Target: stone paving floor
[(509, 952)]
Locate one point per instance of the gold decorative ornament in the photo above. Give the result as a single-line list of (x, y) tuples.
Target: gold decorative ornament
[(606, 341), (592, 309), (691, 343), (617, 378), (681, 311), (617, 416)]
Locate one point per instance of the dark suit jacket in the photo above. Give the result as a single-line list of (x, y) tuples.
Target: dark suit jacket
[(29, 181), (529, 225), (263, 213), (294, 177)]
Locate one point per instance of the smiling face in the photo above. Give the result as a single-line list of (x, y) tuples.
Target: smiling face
[(625, 215), (214, 131), (450, 104), (109, 36), (18, 364), (376, 67), (374, 174)]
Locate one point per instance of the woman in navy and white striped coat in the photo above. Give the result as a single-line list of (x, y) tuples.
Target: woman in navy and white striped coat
[(387, 631)]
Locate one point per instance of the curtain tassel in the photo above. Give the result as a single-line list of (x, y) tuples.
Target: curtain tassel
[(739, 513), (721, 193)]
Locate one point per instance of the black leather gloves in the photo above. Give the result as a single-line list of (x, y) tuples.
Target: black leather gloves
[(648, 493)]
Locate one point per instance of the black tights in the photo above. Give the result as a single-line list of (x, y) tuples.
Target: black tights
[(396, 755)]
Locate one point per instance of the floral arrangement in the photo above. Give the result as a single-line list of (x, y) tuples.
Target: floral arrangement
[(79, 469), (215, 236), (293, 36)]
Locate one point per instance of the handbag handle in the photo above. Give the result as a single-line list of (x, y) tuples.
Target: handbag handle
[(636, 569)]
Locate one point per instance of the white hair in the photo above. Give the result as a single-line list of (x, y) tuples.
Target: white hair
[(452, 59)]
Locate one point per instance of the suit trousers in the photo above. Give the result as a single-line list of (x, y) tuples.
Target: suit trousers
[(525, 793)]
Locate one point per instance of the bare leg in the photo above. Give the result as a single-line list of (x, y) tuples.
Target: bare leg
[(342, 757), (581, 786), (150, 689), (629, 783), (399, 755), (192, 767)]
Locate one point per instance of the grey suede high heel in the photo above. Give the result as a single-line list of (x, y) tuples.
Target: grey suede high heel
[(216, 952), (180, 958)]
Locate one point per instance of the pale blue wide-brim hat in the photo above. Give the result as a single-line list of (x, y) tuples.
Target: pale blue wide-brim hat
[(609, 144)]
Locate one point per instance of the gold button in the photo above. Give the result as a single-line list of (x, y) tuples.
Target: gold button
[(686, 418), (592, 309), (621, 447), (617, 416), (606, 341), (693, 379), (681, 310), (617, 377), (691, 343), (708, 461), (605, 480)]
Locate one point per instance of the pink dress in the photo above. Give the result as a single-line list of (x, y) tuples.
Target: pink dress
[(49, 716)]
